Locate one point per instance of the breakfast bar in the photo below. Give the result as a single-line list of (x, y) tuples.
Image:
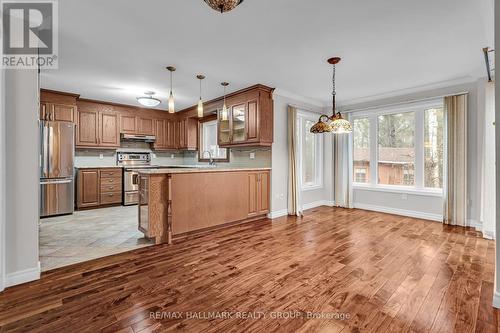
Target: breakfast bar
[(175, 202)]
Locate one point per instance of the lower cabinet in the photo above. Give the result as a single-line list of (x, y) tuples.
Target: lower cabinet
[(258, 193), (98, 187)]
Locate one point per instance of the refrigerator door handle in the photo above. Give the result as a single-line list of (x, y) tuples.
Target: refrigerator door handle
[(63, 181)]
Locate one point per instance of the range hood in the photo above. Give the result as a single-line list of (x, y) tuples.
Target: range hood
[(138, 137)]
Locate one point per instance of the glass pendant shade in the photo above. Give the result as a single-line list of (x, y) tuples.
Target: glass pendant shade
[(223, 5), (200, 108), (224, 112), (171, 103), (321, 126), (340, 125)]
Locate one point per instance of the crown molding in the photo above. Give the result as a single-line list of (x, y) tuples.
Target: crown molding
[(298, 98)]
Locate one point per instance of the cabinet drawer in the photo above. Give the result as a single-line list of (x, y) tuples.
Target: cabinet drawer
[(111, 181), (106, 188), (110, 173), (111, 198)]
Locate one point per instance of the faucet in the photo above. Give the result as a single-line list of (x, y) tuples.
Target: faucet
[(211, 161)]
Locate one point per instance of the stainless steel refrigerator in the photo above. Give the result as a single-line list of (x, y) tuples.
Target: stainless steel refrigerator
[(57, 189)]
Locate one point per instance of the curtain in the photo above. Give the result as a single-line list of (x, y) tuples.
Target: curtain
[(294, 204), (342, 169), (455, 179)]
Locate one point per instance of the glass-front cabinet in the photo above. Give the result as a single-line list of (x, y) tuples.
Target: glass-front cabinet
[(239, 123), (224, 128)]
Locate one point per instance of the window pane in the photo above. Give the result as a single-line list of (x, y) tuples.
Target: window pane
[(209, 141), (396, 149), (361, 150), (309, 155), (433, 147)]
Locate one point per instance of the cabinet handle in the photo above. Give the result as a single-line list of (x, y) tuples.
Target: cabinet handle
[(110, 195)]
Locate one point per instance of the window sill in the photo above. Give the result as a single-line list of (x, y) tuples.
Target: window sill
[(400, 189), (311, 188)]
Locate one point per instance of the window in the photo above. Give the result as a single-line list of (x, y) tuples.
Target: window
[(361, 149), (400, 147), (433, 147), (396, 148), (310, 152), (208, 143)]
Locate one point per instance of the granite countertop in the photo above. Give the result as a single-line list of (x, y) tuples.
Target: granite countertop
[(99, 167), (196, 170)]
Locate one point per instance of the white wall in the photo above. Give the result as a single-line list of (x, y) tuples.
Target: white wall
[(496, 296), (279, 180), (21, 104), (431, 207), (2, 179)]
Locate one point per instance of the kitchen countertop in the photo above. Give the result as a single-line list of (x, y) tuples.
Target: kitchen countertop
[(99, 167), (200, 166), (167, 170)]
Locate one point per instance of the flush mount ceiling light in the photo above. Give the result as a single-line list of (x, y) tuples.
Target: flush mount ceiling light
[(223, 5), (334, 123), (148, 101), (224, 107), (171, 102), (200, 102)]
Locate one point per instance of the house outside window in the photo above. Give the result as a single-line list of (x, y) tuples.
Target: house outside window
[(310, 152)]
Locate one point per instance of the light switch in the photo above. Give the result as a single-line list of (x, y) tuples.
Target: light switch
[(153, 155), (101, 156), (172, 156), (252, 156)]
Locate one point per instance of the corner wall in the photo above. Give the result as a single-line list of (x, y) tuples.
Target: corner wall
[(22, 203), (279, 179)]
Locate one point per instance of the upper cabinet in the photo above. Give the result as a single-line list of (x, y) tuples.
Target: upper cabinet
[(179, 133), (56, 106), (133, 124), (249, 118), (97, 126)]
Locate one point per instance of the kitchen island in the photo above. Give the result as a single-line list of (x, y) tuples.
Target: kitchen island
[(175, 202)]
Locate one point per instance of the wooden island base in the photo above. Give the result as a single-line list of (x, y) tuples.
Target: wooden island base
[(174, 203)]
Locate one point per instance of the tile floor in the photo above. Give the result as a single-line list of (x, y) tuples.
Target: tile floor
[(89, 234)]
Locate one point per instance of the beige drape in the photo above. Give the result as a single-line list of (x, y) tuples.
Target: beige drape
[(294, 206), (342, 169), (455, 180)]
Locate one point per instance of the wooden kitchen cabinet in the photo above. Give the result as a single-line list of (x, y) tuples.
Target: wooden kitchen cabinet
[(98, 187), (145, 126), (57, 106), (97, 128), (133, 124), (186, 134), (165, 132), (160, 133), (249, 119), (87, 194), (258, 193)]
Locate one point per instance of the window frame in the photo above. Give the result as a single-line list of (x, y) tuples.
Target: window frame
[(372, 115), (200, 140), (303, 116)]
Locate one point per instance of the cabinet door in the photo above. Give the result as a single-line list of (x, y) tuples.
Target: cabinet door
[(128, 124), (109, 135), (238, 126), (61, 112), (224, 130), (88, 188), (181, 134), (253, 194), (145, 126), (170, 134), (264, 197), (87, 129), (161, 138), (252, 122)]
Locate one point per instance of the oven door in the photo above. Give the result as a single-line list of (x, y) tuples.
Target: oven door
[(131, 181)]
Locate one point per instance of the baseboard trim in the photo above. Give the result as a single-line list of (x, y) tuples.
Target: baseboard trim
[(277, 213), (496, 300), (403, 212), (23, 276), (319, 203)]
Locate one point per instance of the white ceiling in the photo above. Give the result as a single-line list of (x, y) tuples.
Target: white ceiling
[(115, 49)]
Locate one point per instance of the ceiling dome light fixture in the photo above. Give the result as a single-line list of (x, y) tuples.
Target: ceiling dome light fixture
[(148, 101), (171, 102), (334, 123), (224, 107), (200, 102), (223, 5)]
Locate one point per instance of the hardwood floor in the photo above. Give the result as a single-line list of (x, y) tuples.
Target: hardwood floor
[(380, 272)]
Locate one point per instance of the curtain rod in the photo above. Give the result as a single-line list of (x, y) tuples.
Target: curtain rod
[(404, 102)]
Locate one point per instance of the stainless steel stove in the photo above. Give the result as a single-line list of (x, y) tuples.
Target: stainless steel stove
[(131, 163)]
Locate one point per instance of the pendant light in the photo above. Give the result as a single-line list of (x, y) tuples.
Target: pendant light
[(224, 107), (148, 101), (334, 123), (223, 5), (200, 102), (171, 102)]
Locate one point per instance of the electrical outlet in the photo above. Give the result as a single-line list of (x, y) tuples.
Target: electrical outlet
[(101, 156), (404, 196), (172, 156), (252, 156), (153, 155)]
